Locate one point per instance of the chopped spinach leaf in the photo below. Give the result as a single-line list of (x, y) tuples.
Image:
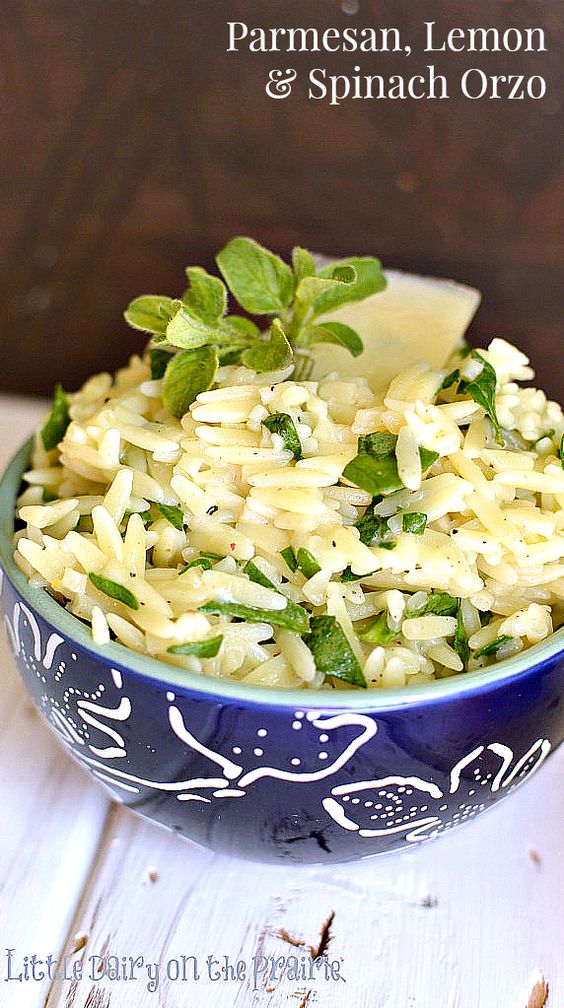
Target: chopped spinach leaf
[(173, 514), (283, 425), (428, 458), (201, 561), (255, 574), (293, 610), (450, 379), (377, 631), (380, 444), (145, 516), (332, 653), (348, 575), (54, 428), (437, 604), (199, 649), (482, 390), (290, 558), (114, 590), (375, 467), (374, 530), (460, 643), (415, 523), (292, 617), (307, 563), (493, 647)]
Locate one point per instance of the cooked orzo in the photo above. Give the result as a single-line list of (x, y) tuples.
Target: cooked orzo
[(213, 506)]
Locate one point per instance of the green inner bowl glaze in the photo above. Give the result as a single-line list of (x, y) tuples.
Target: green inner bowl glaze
[(117, 654)]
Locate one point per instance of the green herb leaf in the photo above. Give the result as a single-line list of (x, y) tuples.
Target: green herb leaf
[(260, 281), (460, 643), (303, 263), (368, 524), (188, 373), (273, 355), (332, 653), (230, 354), (493, 647), (206, 296), (375, 468), (335, 332), (292, 617), (49, 496), (369, 280), (380, 444), (547, 434), (348, 576), (53, 430), (437, 604), (145, 516), (415, 523), (374, 530), (293, 611), (239, 327), (199, 649), (283, 425), (202, 562), (428, 458), (187, 332), (114, 590), (307, 563), (482, 391), (256, 575), (377, 631), (450, 379), (311, 287), (205, 561), (151, 313), (290, 558), (173, 514), (377, 474), (158, 360), (562, 451)]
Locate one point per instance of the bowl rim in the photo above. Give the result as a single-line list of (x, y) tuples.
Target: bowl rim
[(155, 671)]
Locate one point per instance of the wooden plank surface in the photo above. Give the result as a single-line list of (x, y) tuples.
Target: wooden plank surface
[(468, 922), (464, 923), (52, 815)]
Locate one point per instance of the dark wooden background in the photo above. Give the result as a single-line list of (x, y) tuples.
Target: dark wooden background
[(132, 144)]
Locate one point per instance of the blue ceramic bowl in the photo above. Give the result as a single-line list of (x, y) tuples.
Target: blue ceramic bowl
[(280, 775)]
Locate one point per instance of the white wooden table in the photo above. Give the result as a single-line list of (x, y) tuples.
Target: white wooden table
[(472, 921)]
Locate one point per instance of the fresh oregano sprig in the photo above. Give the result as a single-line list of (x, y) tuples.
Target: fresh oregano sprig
[(194, 335)]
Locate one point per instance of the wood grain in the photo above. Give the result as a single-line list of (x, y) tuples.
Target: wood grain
[(463, 923), (134, 144), (52, 815)]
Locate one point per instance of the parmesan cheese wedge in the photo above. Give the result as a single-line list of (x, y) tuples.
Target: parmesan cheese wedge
[(414, 318)]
